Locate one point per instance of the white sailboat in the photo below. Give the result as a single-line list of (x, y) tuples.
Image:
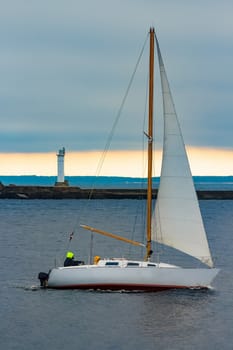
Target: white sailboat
[(176, 222)]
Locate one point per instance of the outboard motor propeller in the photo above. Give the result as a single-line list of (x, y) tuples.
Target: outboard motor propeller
[(43, 277)]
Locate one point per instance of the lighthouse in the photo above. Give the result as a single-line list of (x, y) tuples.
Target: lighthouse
[(60, 168)]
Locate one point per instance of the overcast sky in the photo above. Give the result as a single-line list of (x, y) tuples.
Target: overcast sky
[(65, 66)]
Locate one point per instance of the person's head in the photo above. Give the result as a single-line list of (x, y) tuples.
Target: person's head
[(70, 255)]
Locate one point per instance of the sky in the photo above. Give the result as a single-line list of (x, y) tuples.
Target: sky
[(65, 67)]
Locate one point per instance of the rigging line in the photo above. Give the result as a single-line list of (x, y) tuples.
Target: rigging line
[(144, 165), (143, 126), (109, 139), (140, 208)]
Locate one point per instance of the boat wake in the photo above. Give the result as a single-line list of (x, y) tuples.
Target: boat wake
[(25, 287)]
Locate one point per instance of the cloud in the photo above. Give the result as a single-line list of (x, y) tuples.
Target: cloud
[(65, 66)]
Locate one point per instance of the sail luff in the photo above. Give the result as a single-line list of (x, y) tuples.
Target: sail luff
[(178, 221)]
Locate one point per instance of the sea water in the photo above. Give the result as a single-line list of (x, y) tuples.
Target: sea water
[(34, 236)]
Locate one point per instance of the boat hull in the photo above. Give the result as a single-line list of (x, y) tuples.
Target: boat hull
[(133, 278)]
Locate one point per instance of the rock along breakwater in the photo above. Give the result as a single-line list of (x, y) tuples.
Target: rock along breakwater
[(73, 192)]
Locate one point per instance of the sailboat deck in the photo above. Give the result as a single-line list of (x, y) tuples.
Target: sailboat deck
[(122, 263)]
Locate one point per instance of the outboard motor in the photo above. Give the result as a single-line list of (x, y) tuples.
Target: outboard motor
[(43, 277)]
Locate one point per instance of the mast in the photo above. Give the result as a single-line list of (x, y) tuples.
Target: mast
[(150, 143)]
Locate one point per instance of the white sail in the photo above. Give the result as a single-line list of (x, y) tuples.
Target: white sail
[(178, 221)]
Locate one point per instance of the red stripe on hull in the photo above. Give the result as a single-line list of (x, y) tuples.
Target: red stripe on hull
[(126, 287)]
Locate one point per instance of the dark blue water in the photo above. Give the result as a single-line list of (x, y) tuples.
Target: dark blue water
[(33, 234), (201, 182)]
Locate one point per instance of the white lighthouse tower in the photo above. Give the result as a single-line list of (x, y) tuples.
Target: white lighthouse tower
[(60, 168)]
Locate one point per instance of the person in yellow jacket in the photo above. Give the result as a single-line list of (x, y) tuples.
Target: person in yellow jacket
[(70, 260)]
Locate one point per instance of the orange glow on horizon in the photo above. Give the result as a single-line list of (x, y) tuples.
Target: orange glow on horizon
[(210, 161), (203, 161)]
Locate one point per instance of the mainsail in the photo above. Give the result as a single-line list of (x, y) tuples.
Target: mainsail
[(178, 221)]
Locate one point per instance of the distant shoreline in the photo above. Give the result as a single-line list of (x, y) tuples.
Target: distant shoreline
[(115, 182), (72, 192)]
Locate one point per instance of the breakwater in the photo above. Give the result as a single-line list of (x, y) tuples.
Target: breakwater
[(73, 192)]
